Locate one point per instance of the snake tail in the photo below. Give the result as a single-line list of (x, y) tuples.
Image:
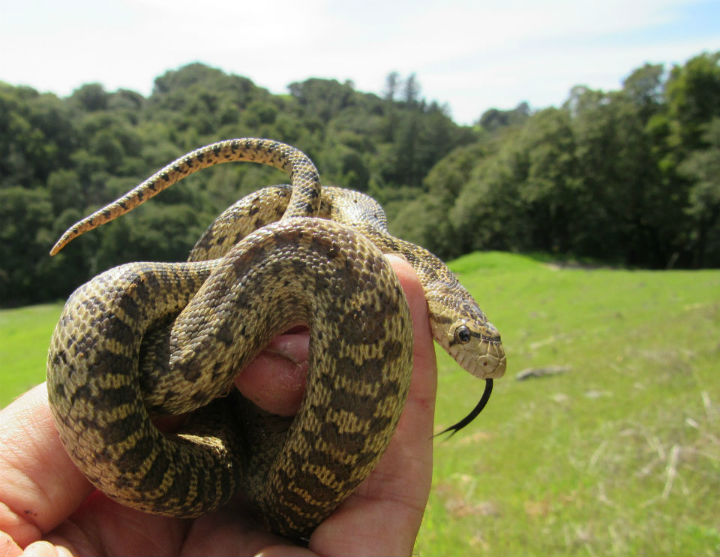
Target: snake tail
[(304, 201)]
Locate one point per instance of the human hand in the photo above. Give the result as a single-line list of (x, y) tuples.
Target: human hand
[(47, 507)]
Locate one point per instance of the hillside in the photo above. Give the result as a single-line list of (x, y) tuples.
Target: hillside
[(626, 177)]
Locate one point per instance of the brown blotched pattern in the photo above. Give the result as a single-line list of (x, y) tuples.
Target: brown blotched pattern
[(148, 338)]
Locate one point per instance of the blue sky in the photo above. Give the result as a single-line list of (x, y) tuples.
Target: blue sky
[(472, 55)]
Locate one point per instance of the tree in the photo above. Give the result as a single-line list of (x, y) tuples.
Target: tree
[(693, 97), (91, 97), (644, 88), (411, 90), (494, 119), (702, 168), (392, 82), (322, 98), (25, 217)]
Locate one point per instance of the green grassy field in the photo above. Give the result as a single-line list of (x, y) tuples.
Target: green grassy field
[(618, 455), (24, 338)]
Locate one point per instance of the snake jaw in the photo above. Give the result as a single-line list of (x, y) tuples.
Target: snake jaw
[(489, 363)]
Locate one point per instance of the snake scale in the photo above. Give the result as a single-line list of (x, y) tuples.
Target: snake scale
[(146, 339)]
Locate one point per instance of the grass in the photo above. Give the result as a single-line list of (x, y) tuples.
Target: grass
[(24, 338), (619, 455)]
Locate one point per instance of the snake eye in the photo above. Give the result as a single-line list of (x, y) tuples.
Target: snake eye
[(462, 334)]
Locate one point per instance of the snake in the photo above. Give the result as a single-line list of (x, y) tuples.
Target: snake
[(145, 339)]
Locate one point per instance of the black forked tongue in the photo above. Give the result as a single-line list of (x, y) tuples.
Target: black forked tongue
[(473, 414)]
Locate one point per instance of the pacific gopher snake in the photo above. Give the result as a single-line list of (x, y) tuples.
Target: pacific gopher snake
[(148, 338)]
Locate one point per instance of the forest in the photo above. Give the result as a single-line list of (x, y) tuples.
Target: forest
[(629, 177)]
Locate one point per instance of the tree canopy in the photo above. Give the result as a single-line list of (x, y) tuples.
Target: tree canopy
[(627, 176)]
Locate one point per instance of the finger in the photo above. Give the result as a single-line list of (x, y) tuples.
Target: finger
[(384, 515), (45, 549), (40, 484), (8, 547), (275, 380), (419, 413)]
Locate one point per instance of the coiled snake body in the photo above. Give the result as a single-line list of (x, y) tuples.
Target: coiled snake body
[(152, 338)]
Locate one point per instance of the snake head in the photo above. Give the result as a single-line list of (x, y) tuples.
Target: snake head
[(477, 347), (464, 331)]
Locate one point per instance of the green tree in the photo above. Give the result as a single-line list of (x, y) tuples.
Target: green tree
[(644, 89), (702, 168), (25, 219), (493, 119), (91, 97), (322, 98), (693, 98)]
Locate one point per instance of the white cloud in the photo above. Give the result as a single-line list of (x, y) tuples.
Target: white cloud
[(471, 54)]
